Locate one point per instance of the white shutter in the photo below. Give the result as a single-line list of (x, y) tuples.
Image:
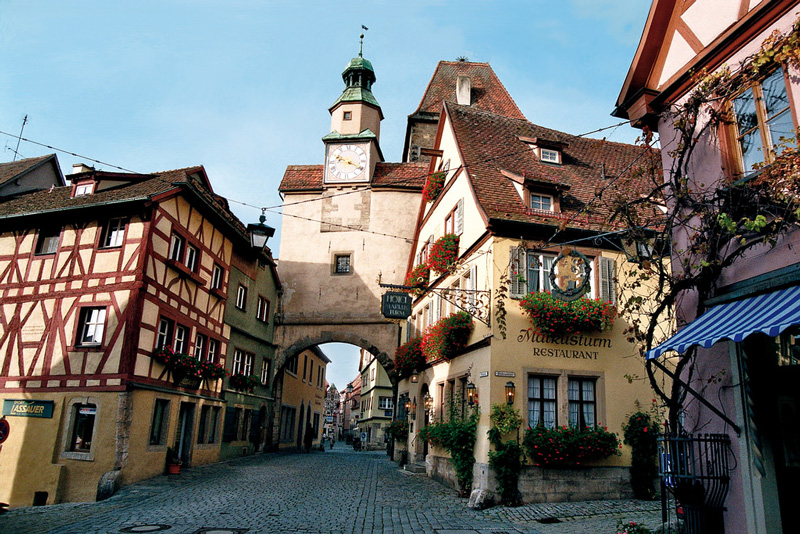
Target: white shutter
[(472, 284), (460, 217), (516, 273), (608, 290)]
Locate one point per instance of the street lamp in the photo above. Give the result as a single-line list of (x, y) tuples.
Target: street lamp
[(428, 403), (472, 394), (414, 377), (510, 388), (259, 233)]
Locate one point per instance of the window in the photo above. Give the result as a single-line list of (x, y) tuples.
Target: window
[(262, 309), (347, 115), (213, 424), (581, 402), (608, 290), (181, 334), (288, 414), (216, 277), (265, 372), (202, 426), (90, 326), (248, 364), (241, 297), (291, 366), (342, 264), (213, 350), (84, 189), (548, 155), (542, 401), (238, 357), (538, 271), (176, 247), (200, 343), (541, 202), (83, 416), (762, 117), (385, 403), (191, 257), (113, 232), (245, 428), (305, 366), (47, 243), (158, 427), (165, 329)]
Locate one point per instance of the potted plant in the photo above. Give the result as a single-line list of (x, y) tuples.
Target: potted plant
[(418, 279), (174, 462), (212, 371), (408, 357)]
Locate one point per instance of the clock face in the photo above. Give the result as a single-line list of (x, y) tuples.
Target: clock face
[(346, 163)]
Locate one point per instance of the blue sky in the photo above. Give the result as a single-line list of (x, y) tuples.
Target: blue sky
[(243, 87)]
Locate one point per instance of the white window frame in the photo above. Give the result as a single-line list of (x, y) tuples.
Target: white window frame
[(176, 247), (192, 257), (181, 336), (216, 276), (47, 241), (213, 350), (236, 367), (165, 330), (91, 326), (241, 297), (199, 346), (262, 309), (114, 233), (548, 155), (538, 201), (265, 364), (248, 364), (83, 190)]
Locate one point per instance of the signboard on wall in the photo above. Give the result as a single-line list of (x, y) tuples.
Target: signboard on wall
[(28, 408), (396, 305)]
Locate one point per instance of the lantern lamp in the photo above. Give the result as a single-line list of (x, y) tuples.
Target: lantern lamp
[(472, 394), (510, 389)]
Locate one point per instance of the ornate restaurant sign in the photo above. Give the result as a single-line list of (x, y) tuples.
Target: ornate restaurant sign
[(570, 275)]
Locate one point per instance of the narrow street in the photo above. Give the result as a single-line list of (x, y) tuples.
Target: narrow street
[(337, 491)]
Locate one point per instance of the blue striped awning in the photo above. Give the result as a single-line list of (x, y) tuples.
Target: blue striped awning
[(770, 313)]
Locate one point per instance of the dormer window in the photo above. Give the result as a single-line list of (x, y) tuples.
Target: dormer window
[(541, 202), (549, 155), (83, 189)]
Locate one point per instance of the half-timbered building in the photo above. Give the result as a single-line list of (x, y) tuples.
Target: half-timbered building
[(109, 285)]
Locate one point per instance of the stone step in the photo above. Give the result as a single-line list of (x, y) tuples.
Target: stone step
[(415, 468)]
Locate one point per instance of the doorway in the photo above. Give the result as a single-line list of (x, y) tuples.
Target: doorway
[(183, 437)]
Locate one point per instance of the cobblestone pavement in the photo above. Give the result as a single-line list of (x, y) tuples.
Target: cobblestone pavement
[(337, 491)]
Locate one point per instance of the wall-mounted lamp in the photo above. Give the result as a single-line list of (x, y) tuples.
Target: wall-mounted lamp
[(414, 406), (407, 404), (472, 394), (414, 378), (428, 403), (510, 389)]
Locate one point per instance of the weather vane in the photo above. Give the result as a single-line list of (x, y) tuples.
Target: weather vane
[(361, 42)]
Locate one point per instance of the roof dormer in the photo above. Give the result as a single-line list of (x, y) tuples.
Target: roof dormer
[(546, 150), (539, 196)]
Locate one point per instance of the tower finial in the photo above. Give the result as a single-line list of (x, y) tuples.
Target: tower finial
[(361, 42)]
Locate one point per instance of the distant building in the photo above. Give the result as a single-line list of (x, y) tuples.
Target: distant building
[(302, 392), (377, 402)]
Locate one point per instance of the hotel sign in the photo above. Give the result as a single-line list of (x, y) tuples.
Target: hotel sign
[(28, 408), (396, 305)]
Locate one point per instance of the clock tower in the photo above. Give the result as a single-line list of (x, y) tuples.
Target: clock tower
[(352, 148)]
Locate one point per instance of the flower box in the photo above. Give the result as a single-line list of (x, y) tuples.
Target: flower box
[(446, 338), (409, 358), (557, 318), (433, 186), (418, 279), (569, 447), (242, 382), (212, 371), (443, 253)]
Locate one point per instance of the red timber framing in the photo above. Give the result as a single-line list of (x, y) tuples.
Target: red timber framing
[(42, 297)]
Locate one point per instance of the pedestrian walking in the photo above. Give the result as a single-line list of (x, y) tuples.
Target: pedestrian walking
[(333, 441)]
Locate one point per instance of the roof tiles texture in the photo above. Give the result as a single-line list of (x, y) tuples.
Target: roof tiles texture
[(309, 177), (488, 93), (10, 170), (597, 172)]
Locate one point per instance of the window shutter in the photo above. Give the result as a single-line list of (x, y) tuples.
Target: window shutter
[(516, 273), (607, 285), (460, 217)]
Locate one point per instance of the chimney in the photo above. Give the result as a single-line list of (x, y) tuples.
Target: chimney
[(81, 167), (463, 91)]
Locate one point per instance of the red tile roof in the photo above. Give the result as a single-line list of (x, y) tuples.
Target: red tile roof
[(309, 177), (597, 172), (13, 169), (488, 93)]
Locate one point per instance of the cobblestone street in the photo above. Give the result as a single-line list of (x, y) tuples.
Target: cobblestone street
[(337, 491)]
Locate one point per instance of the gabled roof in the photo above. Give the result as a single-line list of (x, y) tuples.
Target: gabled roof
[(30, 174), (307, 178), (491, 148), (488, 93)]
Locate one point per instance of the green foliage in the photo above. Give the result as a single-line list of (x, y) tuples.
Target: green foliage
[(566, 446), (507, 456), (409, 357), (447, 337), (641, 433), (632, 527), (398, 429), (443, 253), (457, 437), (557, 318), (181, 365)]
